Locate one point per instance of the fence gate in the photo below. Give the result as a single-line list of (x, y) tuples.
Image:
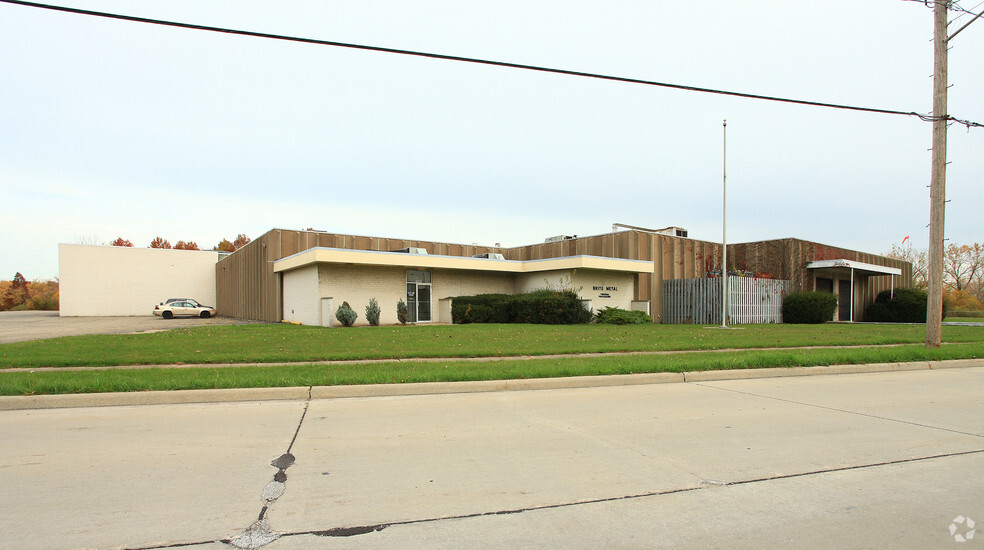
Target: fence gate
[(750, 300)]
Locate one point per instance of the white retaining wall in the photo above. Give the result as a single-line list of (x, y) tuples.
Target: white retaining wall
[(125, 281)]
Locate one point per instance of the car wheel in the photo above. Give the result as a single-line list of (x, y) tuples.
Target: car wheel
[(205, 315), (167, 315)]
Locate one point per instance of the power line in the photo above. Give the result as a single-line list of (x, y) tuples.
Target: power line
[(951, 6), (192, 26)]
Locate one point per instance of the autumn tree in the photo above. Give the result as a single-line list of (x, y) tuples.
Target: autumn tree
[(6, 297), (15, 294), (160, 242), (241, 241), (43, 295), (190, 245), (120, 241), (961, 300), (224, 246)]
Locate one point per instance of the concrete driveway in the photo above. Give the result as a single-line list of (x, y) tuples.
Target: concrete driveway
[(880, 460), (18, 326)]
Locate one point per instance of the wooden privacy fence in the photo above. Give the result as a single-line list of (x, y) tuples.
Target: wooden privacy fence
[(750, 300)]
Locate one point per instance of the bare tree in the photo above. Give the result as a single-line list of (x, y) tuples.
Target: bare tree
[(963, 265), (919, 262), (87, 238)]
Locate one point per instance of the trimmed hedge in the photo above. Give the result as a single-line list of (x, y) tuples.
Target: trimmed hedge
[(617, 316), (808, 307), (908, 306), (548, 307)]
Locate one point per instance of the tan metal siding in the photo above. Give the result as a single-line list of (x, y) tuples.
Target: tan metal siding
[(247, 286)]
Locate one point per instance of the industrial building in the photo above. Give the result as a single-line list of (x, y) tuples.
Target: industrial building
[(303, 276)]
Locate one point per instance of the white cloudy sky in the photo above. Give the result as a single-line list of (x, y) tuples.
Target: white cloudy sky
[(111, 128)]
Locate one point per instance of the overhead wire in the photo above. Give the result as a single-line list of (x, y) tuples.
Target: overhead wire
[(446, 57)]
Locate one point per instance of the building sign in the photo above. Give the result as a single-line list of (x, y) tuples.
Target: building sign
[(604, 291)]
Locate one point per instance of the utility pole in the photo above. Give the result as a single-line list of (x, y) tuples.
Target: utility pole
[(937, 186), (724, 229)]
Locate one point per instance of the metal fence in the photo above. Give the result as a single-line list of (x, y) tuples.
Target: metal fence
[(750, 300)]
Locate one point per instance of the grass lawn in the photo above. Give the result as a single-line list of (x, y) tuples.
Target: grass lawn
[(118, 380), (276, 344), (279, 343)]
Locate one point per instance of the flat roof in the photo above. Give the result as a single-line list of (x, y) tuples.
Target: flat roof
[(868, 269), (318, 255)]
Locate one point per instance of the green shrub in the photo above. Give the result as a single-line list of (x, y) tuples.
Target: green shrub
[(809, 307), (907, 306), (483, 308), (401, 312), (551, 307), (540, 306), (346, 315), (617, 316), (372, 312)]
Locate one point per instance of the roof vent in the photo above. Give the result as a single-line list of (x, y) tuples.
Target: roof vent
[(412, 250), (490, 256)]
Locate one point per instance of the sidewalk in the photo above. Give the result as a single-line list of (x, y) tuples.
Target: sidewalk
[(18, 402)]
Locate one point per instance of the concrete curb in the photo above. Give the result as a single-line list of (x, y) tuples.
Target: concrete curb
[(8, 403)]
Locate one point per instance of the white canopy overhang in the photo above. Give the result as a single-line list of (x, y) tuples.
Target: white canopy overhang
[(858, 267), (855, 267)]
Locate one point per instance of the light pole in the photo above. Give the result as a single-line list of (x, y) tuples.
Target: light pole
[(724, 229)]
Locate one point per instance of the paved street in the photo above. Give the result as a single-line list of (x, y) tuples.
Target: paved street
[(849, 461)]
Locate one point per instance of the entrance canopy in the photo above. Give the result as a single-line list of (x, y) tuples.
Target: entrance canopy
[(852, 268), (860, 268)]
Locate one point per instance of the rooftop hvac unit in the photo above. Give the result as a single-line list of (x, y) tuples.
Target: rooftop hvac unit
[(490, 256), (412, 250), (559, 238)]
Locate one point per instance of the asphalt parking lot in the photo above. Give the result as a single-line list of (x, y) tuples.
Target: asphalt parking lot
[(19, 326)]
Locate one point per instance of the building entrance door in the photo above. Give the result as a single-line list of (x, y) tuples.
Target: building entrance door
[(844, 300), (418, 296)]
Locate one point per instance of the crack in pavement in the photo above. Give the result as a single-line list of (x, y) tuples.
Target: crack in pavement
[(835, 409), (259, 533), (702, 486)]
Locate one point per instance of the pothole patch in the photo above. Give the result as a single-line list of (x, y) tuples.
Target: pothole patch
[(255, 536)]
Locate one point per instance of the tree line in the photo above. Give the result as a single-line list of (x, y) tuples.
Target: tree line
[(20, 294), (225, 245), (963, 273)]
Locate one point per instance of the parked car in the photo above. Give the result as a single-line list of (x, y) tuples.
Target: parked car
[(169, 300), (183, 308)]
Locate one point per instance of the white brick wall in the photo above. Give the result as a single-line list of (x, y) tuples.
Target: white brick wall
[(620, 287), (357, 284), (301, 303), (123, 281)]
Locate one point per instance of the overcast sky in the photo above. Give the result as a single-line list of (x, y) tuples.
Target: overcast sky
[(117, 129)]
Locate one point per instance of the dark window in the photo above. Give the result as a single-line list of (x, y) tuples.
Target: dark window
[(825, 285)]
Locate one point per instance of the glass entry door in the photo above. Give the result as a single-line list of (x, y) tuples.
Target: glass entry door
[(418, 296)]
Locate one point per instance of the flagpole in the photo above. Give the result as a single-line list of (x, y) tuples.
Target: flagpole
[(724, 229)]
